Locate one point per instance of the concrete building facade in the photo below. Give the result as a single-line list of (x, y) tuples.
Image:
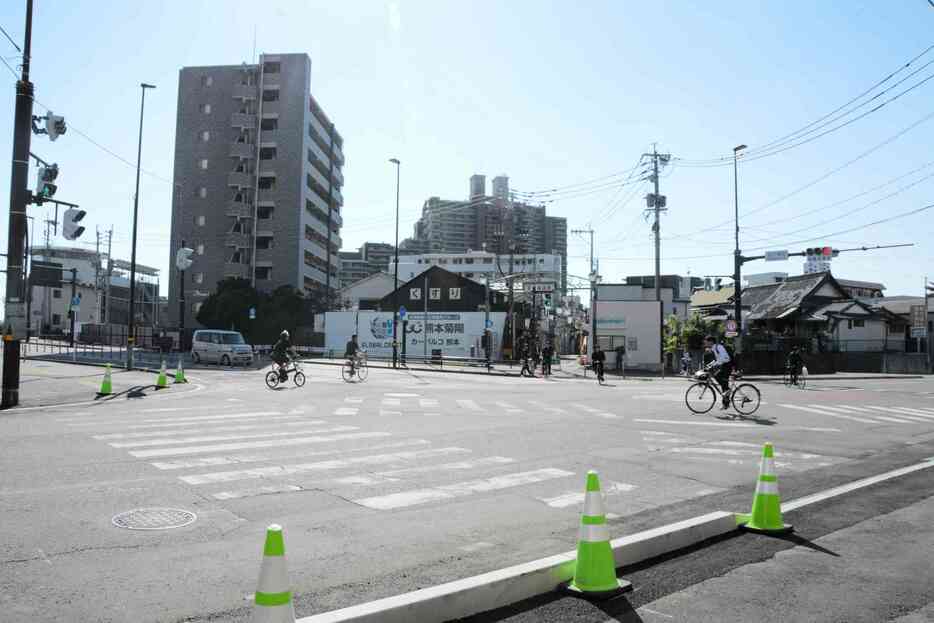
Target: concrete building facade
[(369, 259), (480, 265), (258, 178)]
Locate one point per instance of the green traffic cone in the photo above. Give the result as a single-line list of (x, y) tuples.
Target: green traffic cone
[(766, 515)]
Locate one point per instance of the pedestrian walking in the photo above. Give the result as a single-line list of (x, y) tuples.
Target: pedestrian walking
[(548, 353)]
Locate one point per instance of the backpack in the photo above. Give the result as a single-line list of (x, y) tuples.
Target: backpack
[(732, 353)]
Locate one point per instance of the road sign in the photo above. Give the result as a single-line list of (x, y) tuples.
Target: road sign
[(776, 256), (731, 328), (252, 313), (402, 312), (542, 287), (489, 324), (919, 332), (919, 317)]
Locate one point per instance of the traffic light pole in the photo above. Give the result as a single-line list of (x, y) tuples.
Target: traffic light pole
[(71, 307), (15, 305), (181, 306)]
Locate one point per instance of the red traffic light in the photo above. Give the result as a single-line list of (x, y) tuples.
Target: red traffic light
[(827, 251)]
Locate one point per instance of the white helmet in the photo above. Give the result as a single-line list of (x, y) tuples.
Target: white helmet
[(284, 334)]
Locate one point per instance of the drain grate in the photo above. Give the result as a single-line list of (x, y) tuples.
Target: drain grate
[(154, 519)]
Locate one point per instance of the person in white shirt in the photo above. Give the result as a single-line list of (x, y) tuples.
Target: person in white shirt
[(720, 367)]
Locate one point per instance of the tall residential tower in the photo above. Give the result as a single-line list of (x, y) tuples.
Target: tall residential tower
[(258, 177)]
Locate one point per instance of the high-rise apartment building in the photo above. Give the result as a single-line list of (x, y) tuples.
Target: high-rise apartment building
[(493, 223), (258, 178), (369, 259)]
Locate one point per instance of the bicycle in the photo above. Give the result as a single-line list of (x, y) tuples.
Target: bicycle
[(355, 367), (702, 395), (276, 376), (800, 382)]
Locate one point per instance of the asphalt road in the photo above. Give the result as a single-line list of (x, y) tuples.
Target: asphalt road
[(402, 482)]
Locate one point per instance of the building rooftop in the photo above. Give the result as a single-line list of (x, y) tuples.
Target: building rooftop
[(704, 298)]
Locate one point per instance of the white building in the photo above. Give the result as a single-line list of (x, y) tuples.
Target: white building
[(479, 265), (372, 288)]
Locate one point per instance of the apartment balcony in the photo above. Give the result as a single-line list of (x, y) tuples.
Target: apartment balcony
[(240, 180), (337, 219), (236, 270), (320, 179), (241, 241), (271, 80), (338, 197), (272, 107), (324, 161), (238, 209), (318, 202), (245, 91), (243, 150), (316, 274), (242, 120)]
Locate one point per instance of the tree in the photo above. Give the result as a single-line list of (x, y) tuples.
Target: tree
[(228, 307), (696, 328), (673, 334), (284, 309)]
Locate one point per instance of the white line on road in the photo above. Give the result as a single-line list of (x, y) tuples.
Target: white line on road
[(271, 418), (742, 452), (216, 461), (574, 498), (916, 412), (265, 490), (904, 411), (468, 404), (390, 476), (840, 416), (266, 443), (188, 431), (739, 424), (200, 418), (389, 413), (353, 400), (461, 489), (401, 395), (427, 403), (151, 443), (391, 402), (303, 468), (508, 407), (346, 411)]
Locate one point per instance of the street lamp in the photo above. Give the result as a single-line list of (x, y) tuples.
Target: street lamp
[(595, 280), (395, 287), (131, 323), (737, 258)]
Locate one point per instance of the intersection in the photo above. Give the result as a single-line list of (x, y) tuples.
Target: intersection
[(405, 481)]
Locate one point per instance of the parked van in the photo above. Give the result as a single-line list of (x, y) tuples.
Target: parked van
[(222, 347)]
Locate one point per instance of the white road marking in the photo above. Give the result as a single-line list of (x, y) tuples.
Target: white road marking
[(813, 409), (473, 547), (202, 418), (304, 468), (216, 461), (508, 407), (916, 413), (666, 440), (346, 411), (738, 424), (353, 400), (427, 403), (390, 476), (188, 431), (391, 402), (575, 498), (272, 418), (468, 404), (266, 443), (461, 489), (887, 410), (742, 452), (655, 432), (892, 419), (401, 395), (584, 407), (266, 490), (389, 413), (151, 443)]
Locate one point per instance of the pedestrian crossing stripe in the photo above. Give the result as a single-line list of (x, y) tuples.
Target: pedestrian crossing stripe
[(263, 443), (204, 438)]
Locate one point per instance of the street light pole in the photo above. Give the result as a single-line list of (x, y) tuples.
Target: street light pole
[(395, 285), (131, 323), (737, 258)]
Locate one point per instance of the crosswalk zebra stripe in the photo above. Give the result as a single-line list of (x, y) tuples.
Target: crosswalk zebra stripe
[(151, 443), (390, 475), (271, 418), (891, 419), (201, 418), (828, 414), (508, 407), (887, 410), (391, 402), (265, 443), (468, 404), (916, 413), (346, 411), (461, 489), (239, 459), (304, 468), (575, 498), (843, 411), (264, 490), (189, 431)]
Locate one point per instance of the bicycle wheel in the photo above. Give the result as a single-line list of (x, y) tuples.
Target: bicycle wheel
[(786, 379), (272, 379), (700, 397), (347, 372), (802, 380), (746, 399), (299, 378), (362, 371)]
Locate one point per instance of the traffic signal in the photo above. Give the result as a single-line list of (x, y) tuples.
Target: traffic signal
[(183, 259), (46, 188), (717, 284), (708, 286), (54, 125), (70, 228)]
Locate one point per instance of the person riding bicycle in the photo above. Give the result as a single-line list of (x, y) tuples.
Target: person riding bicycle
[(794, 363), (282, 354), (721, 367), (352, 350), (598, 357)]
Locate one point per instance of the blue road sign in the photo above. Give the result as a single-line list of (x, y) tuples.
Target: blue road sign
[(402, 312), (252, 313)]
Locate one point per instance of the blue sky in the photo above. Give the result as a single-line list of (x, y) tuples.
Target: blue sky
[(550, 93)]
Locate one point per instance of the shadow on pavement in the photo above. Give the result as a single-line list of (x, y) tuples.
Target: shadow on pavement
[(800, 541)]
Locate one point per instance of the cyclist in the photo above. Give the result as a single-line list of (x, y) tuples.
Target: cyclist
[(598, 357), (282, 353), (793, 363), (351, 351), (720, 367)]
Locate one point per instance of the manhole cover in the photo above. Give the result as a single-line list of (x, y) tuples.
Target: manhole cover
[(154, 518)]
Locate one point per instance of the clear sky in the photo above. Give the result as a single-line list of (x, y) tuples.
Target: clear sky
[(550, 93)]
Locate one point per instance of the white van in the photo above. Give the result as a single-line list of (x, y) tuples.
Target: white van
[(222, 347)]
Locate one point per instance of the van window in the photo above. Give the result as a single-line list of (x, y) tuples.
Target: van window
[(216, 338), (203, 337), (232, 338)]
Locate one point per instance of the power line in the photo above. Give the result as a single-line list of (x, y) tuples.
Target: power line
[(578, 184), (11, 39)]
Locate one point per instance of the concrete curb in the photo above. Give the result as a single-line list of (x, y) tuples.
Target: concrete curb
[(502, 587)]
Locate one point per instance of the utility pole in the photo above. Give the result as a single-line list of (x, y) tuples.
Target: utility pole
[(737, 259), (658, 204), (15, 309), (72, 313), (97, 275), (108, 307), (593, 294)]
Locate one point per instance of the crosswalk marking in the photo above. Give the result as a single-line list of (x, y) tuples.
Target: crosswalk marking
[(353, 400), (237, 459), (468, 404), (188, 431), (202, 418), (813, 429), (741, 452), (917, 413), (811, 409), (576, 498), (204, 438), (265, 443), (461, 489), (391, 402), (303, 468), (888, 418), (264, 490), (346, 411), (390, 475), (508, 407), (271, 418), (389, 413), (427, 403)]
